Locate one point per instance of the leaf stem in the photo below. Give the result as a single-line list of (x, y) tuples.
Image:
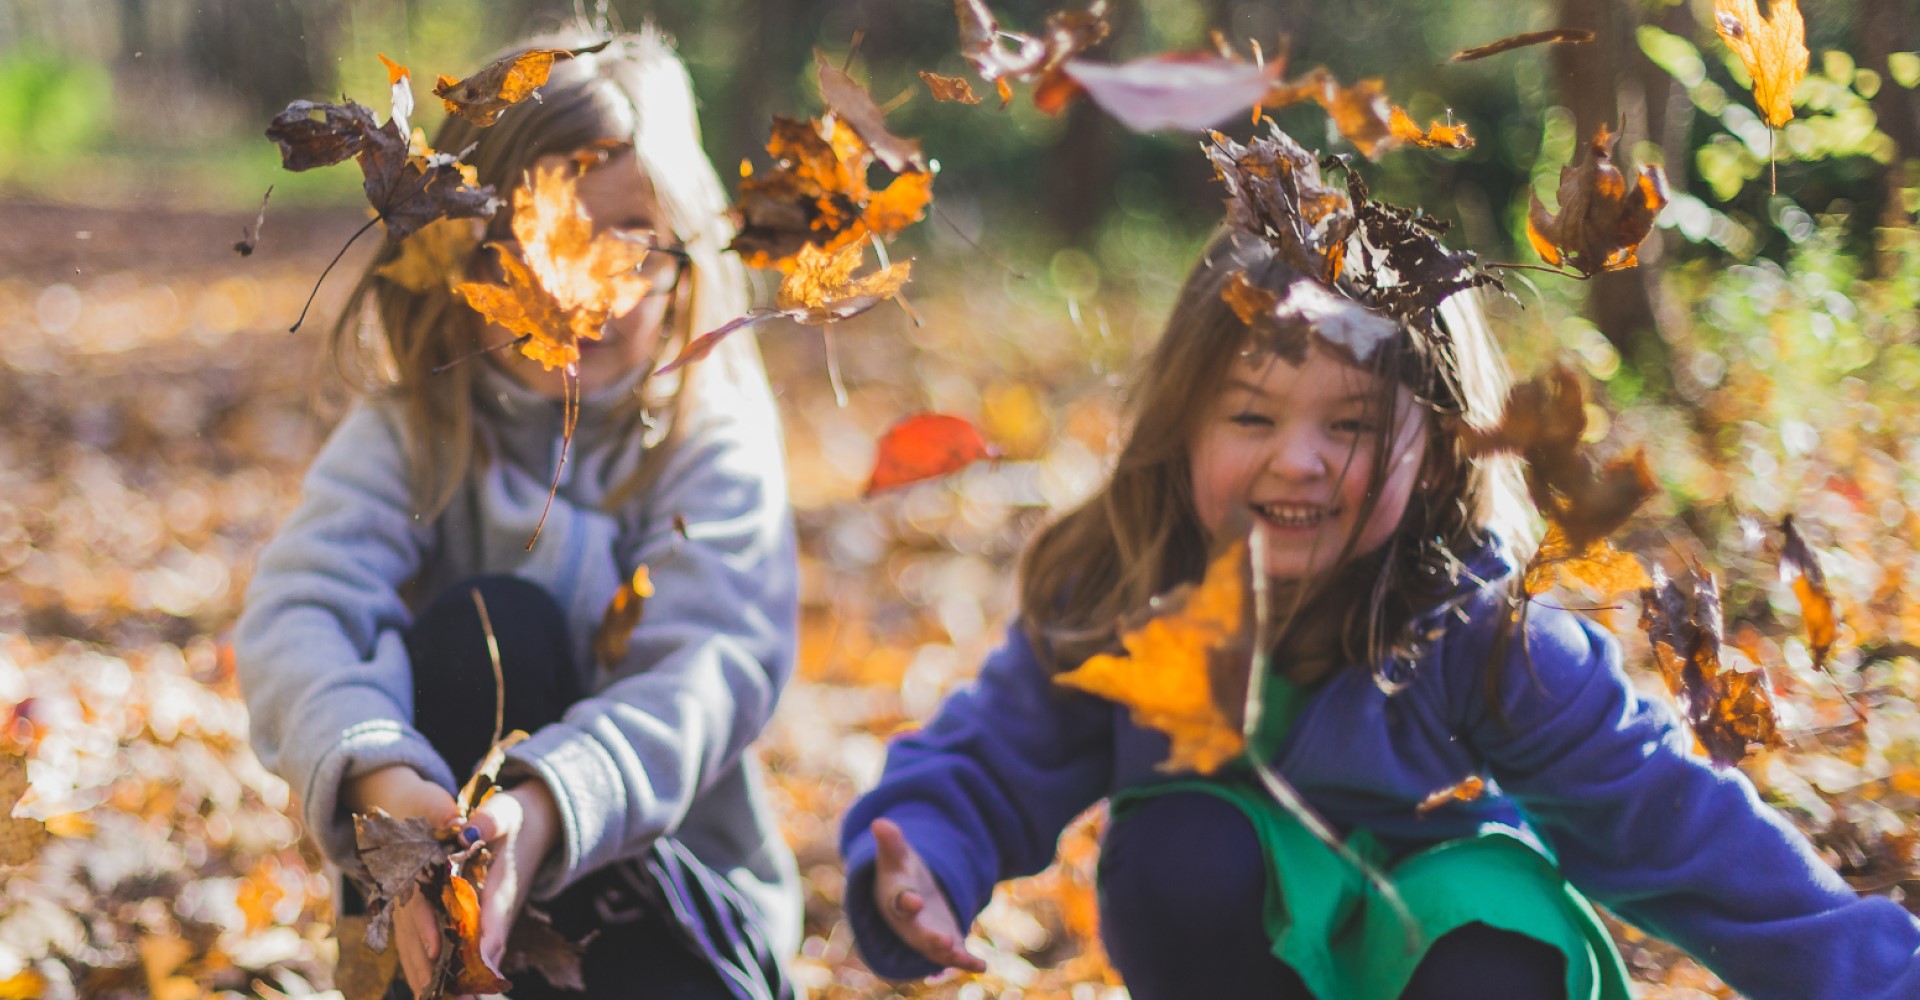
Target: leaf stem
[(470, 355), (295, 328), (499, 677)]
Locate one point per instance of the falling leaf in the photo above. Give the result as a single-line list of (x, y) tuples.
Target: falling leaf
[(1437, 135), (1250, 302), (362, 973), (1191, 91), (622, 616), (503, 83), (819, 288), (1465, 790), (410, 189), (1597, 565), (565, 282), (1544, 421), (435, 257), (925, 446), (948, 88), (486, 775), (20, 838), (852, 103), (250, 238), (1602, 220), (461, 970), (999, 56), (1728, 710), (1169, 676), (1801, 568), (1561, 36), (1773, 49), (1402, 269), (534, 945), (817, 194), (307, 142), (401, 83)]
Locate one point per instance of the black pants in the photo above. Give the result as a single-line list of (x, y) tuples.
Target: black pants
[(648, 954), (1181, 918)]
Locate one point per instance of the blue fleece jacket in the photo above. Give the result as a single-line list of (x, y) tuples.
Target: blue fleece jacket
[(1606, 778)]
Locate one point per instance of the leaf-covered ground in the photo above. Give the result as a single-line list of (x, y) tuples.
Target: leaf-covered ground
[(157, 416)]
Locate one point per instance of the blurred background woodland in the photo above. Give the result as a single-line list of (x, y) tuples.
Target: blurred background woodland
[(155, 414)]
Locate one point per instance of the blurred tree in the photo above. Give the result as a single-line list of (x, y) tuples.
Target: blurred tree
[(259, 52)]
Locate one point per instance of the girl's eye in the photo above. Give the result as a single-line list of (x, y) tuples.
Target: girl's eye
[(1354, 426), (1248, 419)]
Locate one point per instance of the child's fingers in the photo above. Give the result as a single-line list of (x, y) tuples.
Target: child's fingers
[(890, 845), (908, 903)]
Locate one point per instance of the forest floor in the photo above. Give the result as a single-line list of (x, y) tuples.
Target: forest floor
[(155, 417)]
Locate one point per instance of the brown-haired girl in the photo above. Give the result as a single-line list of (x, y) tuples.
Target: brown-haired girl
[(1389, 549), (635, 809)]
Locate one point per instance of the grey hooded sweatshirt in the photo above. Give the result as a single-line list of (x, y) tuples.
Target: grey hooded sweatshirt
[(660, 748)]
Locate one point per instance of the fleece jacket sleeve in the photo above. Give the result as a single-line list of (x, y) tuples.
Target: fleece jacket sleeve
[(705, 665), (319, 650), (1662, 837), (982, 794)]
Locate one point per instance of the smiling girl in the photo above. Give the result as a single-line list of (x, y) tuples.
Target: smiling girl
[(1390, 549)]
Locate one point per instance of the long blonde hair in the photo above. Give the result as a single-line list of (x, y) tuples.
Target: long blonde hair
[(1140, 533), (634, 91)]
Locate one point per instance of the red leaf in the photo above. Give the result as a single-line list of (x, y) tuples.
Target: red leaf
[(926, 446)]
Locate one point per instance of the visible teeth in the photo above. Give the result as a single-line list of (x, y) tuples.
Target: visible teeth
[(1293, 515)]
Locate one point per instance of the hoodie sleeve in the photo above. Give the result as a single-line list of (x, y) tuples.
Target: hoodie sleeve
[(982, 794), (1660, 836), (707, 662), (319, 650)]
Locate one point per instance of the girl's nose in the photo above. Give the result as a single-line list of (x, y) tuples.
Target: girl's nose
[(1298, 455)]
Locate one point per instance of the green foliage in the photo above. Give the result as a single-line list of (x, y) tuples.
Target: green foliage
[(51, 107)]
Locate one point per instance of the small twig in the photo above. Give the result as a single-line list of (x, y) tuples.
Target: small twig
[(499, 677), (968, 240), (295, 328), (852, 50), (470, 355), (833, 367), (1563, 272)]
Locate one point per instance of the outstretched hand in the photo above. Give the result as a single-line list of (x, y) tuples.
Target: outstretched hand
[(911, 901), (404, 794), (520, 826)]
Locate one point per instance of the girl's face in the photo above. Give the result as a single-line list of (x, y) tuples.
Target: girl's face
[(620, 198), (1293, 447)]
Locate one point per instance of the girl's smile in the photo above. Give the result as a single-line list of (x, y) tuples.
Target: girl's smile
[(1295, 447)]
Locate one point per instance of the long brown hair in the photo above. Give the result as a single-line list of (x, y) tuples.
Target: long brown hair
[(1140, 534), (635, 91)]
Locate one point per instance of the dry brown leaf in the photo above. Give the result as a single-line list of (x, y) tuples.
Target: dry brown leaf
[(851, 102), (1253, 304), (622, 616), (396, 853), (502, 83), (1728, 710), (1773, 49), (20, 838), (1563, 36), (534, 945), (1171, 674), (486, 775), (362, 973), (1602, 220), (948, 88), (1801, 568), (565, 282), (816, 194)]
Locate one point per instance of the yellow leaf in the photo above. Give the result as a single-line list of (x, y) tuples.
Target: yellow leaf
[(1774, 50), (435, 257), (1598, 566), (821, 287), (622, 616), (1166, 677)]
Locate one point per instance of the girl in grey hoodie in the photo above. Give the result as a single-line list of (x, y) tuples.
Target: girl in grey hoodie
[(636, 807)]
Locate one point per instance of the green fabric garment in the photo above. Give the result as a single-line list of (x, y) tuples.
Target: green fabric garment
[(1345, 943)]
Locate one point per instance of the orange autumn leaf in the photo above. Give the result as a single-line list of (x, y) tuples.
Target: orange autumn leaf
[(1773, 49), (1437, 135), (1603, 219), (1465, 790), (948, 88), (565, 282), (502, 83), (1801, 568), (999, 55), (462, 971), (1167, 677), (1597, 565), (435, 257), (1248, 301), (1728, 710), (816, 193), (622, 616), (925, 446)]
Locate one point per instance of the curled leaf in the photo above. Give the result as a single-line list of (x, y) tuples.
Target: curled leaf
[(307, 141), (622, 616), (486, 774), (850, 101), (999, 56), (1773, 49), (250, 237), (948, 88), (503, 83), (1276, 194), (1728, 710), (1174, 676), (925, 446), (1603, 219)]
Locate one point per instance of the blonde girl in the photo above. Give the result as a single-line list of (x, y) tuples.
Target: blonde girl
[(635, 810), (1390, 550)]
